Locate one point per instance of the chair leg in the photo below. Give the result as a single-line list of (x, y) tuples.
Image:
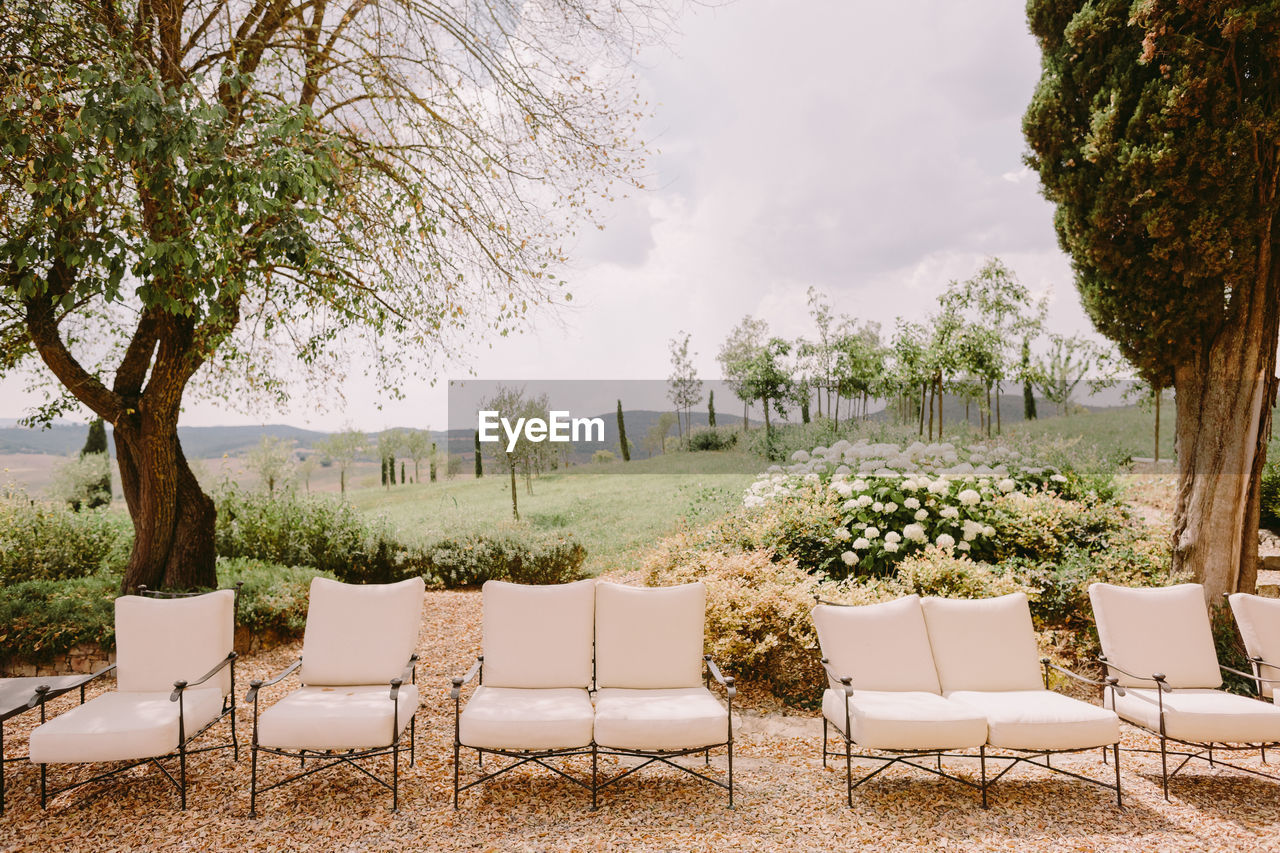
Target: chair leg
[(395, 775), (706, 757), (1, 768), (182, 773), (595, 773), (413, 737), (730, 772), (456, 750), (1164, 768), (824, 742), (848, 768), (982, 765), (253, 779), (44, 786), (1116, 747)]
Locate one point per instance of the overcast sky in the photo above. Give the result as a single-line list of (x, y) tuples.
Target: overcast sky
[(872, 150)]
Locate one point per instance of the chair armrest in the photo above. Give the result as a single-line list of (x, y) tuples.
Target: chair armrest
[(1110, 681), (407, 675), (257, 684), (725, 681), (1250, 676), (846, 680), (1157, 677), (458, 680), (179, 686), (44, 692)]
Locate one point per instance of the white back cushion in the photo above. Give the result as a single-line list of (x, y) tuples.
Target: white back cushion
[(360, 633), (649, 636), (983, 643), (163, 640), (1259, 621), (1157, 629), (880, 646), (538, 636)]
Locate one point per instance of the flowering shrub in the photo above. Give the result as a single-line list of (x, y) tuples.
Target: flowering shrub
[(895, 501)]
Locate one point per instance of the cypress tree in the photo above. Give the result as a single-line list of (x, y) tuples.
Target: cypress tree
[(622, 436), (479, 463), (433, 461), (402, 472), (384, 470), (1028, 398), (96, 442), (711, 409)]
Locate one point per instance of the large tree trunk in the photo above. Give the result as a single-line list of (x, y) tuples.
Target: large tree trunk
[(1223, 402), (173, 519)]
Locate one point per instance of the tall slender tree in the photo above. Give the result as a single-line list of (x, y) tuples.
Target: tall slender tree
[(1155, 129), (623, 444)]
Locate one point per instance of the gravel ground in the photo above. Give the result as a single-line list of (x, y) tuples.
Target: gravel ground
[(785, 799)]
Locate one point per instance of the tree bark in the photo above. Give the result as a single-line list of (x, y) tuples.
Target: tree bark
[(1224, 398), (173, 519), (515, 506)]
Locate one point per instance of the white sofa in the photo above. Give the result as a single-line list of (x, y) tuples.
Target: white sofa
[(175, 678), (359, 684), (1259, 621), (1158, 644), (928, 678), (595, 669)]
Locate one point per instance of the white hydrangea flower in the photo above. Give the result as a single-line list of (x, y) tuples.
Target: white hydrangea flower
[(864, 501), (921, 514), (963, 546), (911, 503), (945, 540), (843, 534), (938, 486), (859, 485), (910, 485), (861, 544), (988, 531), (891, 547), (891, 507), (1058, 478), (849, 558), (877, 507), (1006, 485), (949, 512), (914, 533), (872, 532), (892, 537), (969, 497), (800, 456), (844, 490)]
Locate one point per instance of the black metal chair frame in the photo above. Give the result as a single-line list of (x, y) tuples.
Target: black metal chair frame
[(1014, 757), (44, 694), (50, 693), (520, 758), (331, 758), (1198, 749)]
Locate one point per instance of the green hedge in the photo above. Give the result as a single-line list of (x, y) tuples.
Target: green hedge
[(50, 541)]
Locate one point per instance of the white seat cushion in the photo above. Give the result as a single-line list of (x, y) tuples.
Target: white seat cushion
[(1040, 719), (1149, 630), (1259, 621), (360, 633), (682, 718), (121, 726), (521, 718), (649, 636), (906, 720), (1202, 715), (880, 646), (538, 636), (163, 640), (337, 717), (986, 644)]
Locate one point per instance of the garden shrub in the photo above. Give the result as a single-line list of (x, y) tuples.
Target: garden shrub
[(44, 541), (713, 438), (41, 619), (1044, 526), (273, 600), (1269, 495), (512, 554), (943, 573)]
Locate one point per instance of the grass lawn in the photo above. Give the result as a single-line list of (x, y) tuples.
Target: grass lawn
[(1128, 430), (614, 514)]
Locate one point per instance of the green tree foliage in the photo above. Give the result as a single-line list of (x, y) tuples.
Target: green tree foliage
[(655, 440), (270, 460), (711, 408), (418, 445), (96, 493), (624, 446), (342, 448), (434, 460), (479, 458), (1155, 130), (767, 378), (684, 388), (735, 357), (188, 186)]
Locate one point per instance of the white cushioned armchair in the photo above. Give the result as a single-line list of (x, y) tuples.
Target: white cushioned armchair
[(359, 684), (1158, 644), (175, 678), (547, 649), (1259, 621)]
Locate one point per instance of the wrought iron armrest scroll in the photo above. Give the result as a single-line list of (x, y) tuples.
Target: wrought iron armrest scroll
[(407, 675), (725, 681), (459, 680), (1157, 677), (257, 684), (845, 680), (1110, 681), (44, 692), (179, 686), (1255, 678)]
